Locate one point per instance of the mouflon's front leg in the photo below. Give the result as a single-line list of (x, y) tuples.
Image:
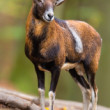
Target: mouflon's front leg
[(55, 73), (41, 87)]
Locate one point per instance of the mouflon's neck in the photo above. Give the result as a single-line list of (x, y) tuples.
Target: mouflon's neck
[(38, 27)]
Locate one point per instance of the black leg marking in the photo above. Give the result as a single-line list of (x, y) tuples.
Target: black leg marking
[(84, 86), (41, 87), (55, 73), (92, 83), (41, 78), (91, 79), (90, 76), (79, 79)]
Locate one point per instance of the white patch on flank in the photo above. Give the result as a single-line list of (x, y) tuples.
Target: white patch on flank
[(51, 99), (42, 98), (78, 45)]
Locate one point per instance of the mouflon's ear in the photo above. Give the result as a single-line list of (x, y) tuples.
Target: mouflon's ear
[(58, 2)]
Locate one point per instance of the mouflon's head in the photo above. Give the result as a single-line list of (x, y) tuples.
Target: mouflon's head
[(44, 9)]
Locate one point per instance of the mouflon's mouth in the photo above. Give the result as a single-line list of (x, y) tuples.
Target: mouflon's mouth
[(48, 16), (48, 19)]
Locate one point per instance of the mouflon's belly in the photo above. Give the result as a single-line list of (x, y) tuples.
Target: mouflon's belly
[(65, 66)]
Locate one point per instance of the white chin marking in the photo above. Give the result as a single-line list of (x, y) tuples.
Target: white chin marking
[(78, 44)]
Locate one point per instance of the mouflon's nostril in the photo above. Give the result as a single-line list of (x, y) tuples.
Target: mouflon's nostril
[(50, 16)]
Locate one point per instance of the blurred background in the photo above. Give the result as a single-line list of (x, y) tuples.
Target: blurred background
[(17, 72)]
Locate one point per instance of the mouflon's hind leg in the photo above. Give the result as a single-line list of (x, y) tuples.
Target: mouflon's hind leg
[(94, 90), (90, 64), (55, 73), (91, 79), (41, 87), (84, 86)]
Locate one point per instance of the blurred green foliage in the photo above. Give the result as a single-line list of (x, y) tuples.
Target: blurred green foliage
[(20, 71), (14, 8)]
